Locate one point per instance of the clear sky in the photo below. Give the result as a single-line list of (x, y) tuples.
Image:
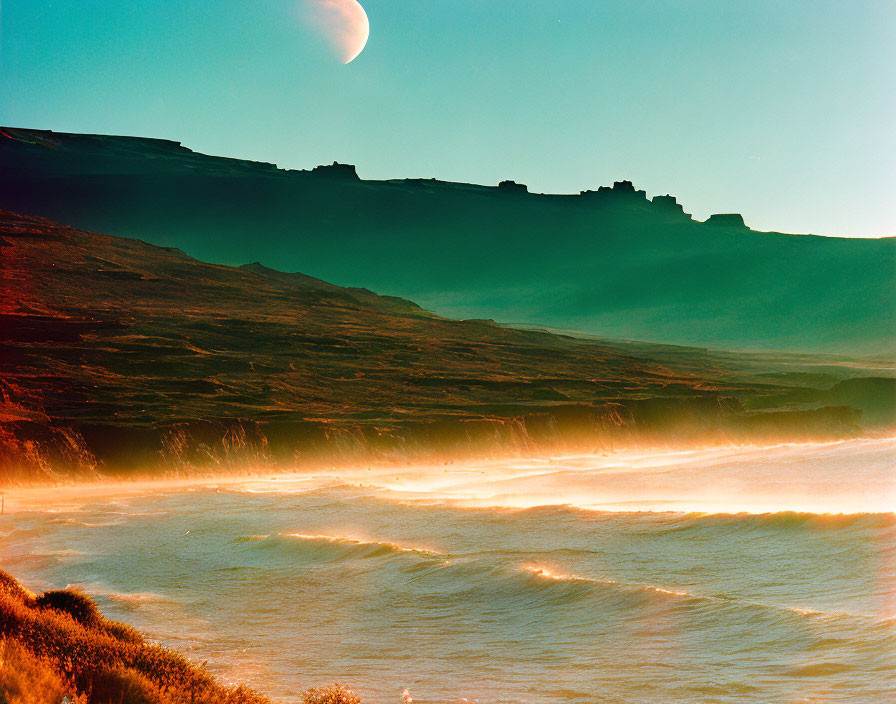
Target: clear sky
[(783, 110)]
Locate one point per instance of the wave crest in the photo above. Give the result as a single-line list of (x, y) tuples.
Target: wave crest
[(331, 548)]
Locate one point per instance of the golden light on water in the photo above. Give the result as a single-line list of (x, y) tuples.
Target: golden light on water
[(372, 549), (816, 478), (397, 547), (544, 572)]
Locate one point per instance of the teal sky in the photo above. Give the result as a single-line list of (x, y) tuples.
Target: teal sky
[(783, 111)]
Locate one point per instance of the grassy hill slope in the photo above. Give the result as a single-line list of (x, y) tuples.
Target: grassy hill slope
[(119, 357), (610, 263)]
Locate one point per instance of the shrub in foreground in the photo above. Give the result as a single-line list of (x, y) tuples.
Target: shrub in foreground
[(334, 694), (57, 647), (25, 679)]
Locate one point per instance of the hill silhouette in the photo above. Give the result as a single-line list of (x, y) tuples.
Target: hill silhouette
[(608, 262)]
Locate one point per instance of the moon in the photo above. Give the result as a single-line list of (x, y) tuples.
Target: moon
[(343, 23)]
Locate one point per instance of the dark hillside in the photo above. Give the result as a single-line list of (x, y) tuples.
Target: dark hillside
[(609, 262)]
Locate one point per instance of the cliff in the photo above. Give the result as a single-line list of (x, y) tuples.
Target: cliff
[(735, 220), (337, 171), (606, 262)]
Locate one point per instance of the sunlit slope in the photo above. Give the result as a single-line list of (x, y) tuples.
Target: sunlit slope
[(117, 355), (611, 263)]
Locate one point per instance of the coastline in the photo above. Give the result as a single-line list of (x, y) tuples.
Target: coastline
[(39, 453), (18, 498)]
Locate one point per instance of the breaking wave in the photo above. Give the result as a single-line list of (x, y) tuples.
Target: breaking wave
[(518, 596), (331, 547)]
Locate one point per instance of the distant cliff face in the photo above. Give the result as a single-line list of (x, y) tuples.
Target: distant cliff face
[(608, 262), (726, 220), (337, 171), (513, 186), (670, 204)]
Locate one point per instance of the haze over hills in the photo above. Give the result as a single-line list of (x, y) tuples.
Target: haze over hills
[(120, 356), (609, 263)]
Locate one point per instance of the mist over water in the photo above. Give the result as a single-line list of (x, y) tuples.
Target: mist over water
[(709, 576)]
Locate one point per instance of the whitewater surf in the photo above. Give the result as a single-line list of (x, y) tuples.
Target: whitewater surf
[(616, 578)]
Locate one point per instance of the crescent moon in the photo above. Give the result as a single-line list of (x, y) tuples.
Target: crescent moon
[(343, 23)]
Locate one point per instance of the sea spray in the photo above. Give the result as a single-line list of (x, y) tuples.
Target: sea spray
[(454, 598)]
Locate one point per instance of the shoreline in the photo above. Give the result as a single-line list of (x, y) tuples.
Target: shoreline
[(17, 499)]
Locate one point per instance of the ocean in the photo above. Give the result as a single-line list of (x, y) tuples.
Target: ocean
[(719, 575)]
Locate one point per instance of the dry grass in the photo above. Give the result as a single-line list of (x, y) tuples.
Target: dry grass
[(27, 679), (58, 645), (334, 694), (58, 648)]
